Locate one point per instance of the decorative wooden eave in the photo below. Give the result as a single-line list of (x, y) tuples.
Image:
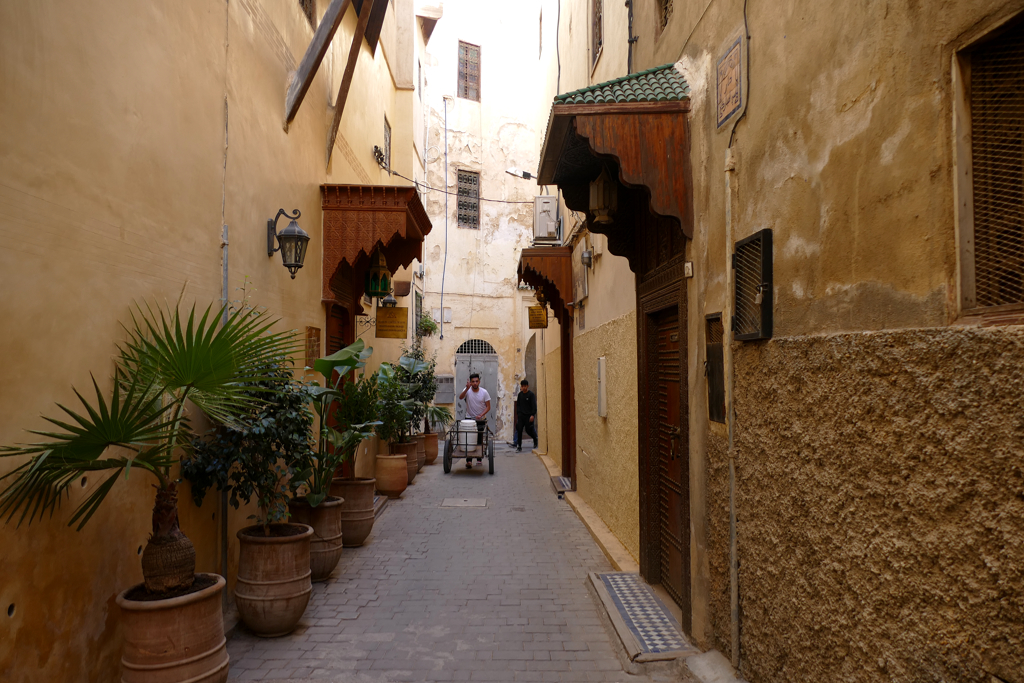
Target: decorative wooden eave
[(359, 218), (549, 269)]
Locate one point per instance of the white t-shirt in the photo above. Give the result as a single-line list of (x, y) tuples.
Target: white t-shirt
[(476, 402)]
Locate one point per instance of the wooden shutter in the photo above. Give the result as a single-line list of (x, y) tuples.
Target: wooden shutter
[(714, 367), (469, 71)]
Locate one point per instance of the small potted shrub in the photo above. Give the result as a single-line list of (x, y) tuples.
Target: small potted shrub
[(317, 507), (412, 373), (253, 460), (437, 418), (356, 406), (172, 623), (426, 326), (393, 409)]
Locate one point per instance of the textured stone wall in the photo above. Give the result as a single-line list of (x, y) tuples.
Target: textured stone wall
[(881, 501), (717, 548), (607, 473)]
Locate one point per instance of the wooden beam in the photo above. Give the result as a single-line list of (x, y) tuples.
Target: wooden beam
[(313, 58), (350, 70)]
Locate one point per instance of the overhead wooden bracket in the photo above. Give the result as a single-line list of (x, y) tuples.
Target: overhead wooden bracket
[(350, 69), (310, 63)]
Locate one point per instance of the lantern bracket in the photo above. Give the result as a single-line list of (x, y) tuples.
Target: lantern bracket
[(272, 230)]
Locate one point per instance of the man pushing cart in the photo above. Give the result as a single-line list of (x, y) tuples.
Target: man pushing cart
[(478, 404)]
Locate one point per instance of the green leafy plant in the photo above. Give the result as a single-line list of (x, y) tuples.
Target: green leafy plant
[(439, 417), (394, 407), (426, 325), (167, 361), (333, 446), (254, 456), (418, 374)]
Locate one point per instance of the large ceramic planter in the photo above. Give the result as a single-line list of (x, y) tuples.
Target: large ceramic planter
[(430, 446), (177, 639), (392, 474), (366, 458), (273, 584), (407, 449), (325, 545), (357, 510), (421, 452)]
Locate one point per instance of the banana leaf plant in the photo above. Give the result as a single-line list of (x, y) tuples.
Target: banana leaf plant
[(167, 362), (333, 446)]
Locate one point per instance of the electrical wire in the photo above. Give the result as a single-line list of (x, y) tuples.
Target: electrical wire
[(444, 268), (437, 189), (746, 100)]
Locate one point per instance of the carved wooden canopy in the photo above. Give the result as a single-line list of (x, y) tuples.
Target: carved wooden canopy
[(357, 220), (644, 144), (549, 269)]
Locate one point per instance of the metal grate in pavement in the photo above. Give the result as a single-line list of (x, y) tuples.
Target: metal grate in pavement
[(650, 622)]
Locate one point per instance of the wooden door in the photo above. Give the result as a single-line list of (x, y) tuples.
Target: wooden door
[(669, 453)]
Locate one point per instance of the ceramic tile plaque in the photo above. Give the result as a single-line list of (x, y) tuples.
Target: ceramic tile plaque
[(730, 82)]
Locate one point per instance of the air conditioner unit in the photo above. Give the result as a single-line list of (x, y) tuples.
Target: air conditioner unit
[(545, 218)]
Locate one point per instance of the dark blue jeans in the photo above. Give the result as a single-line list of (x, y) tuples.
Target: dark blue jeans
[(530, 429)]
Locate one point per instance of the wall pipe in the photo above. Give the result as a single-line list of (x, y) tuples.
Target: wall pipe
[(444, 267)]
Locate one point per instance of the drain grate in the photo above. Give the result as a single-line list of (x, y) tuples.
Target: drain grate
[(464, 503)]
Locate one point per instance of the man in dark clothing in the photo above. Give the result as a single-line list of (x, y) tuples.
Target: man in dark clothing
[(526, 415)]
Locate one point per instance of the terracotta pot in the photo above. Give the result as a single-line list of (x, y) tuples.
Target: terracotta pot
[(357, 511), (325, 546), (392, 474), (366, 457), (421, 452), (409, 450), (177, 639), (430, 446), (273, 584)]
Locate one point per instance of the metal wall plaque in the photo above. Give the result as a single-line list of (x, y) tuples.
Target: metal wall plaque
[(730, 82), (392, 323), (538, 317)]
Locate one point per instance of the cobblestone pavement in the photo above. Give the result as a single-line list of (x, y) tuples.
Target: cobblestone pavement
[(454, 594)]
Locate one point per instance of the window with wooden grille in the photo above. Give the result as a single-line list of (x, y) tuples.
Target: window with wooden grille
[(309, 10), (469, 71), (752, 307), (387, 144), (312, 345), (664, 12), (714, 367), (993, 245), (596, 29), (469, 199)]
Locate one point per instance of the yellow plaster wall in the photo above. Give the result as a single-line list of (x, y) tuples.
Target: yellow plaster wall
[(607, 470), (132, 132)]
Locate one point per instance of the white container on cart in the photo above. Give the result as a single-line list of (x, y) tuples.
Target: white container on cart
[(466, 435)]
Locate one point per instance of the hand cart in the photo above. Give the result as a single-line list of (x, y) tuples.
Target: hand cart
[(461, 444)]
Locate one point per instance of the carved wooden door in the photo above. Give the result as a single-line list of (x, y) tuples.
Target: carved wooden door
[(669, 448)]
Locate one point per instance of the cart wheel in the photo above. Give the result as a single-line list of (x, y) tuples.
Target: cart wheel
[(448, 447), (490, 458)]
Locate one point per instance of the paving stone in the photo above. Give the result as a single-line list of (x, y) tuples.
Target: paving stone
[(453, 594)]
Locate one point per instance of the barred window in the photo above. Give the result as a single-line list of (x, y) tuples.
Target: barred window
[(387, 144), (995, 87), (597, 29), (469, 199), (469, 71)]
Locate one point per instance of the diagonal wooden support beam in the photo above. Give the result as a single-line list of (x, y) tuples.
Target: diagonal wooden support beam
[(313, 58), (350, 69)]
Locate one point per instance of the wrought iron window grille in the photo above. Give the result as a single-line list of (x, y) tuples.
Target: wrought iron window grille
[(753, 291)]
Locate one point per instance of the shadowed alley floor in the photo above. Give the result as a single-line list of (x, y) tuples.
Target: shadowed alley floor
[(454, 594)]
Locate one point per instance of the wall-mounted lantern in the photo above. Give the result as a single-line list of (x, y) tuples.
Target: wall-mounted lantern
[(541, 299), (604, 198), (377, 282), (293, 241), (587, 258), (389, 301)]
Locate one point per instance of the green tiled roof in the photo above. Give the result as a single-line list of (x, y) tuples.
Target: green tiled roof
[(660, 84)]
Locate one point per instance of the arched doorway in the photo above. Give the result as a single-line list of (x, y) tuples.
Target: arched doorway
[(477, 355)]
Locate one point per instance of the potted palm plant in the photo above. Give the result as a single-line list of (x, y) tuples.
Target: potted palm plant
[(317, 506), (167, 362), (412, 373), (437, 419)]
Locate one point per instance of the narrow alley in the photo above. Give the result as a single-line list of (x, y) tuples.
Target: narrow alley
[(493, 593)]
